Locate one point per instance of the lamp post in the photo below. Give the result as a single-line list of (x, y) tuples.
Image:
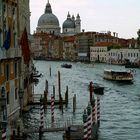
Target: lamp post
[(3, 120), (20, 92)]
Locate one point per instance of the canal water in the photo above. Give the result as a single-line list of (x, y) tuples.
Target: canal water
[(120, 104)]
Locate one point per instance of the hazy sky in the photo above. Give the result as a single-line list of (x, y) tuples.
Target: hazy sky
[(121, 16)]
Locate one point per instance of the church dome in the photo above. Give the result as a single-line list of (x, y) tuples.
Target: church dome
[(48, 22), (48, 19), (69, 23)]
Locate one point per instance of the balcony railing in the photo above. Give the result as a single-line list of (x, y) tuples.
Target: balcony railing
[(10, 53), (2, 53)]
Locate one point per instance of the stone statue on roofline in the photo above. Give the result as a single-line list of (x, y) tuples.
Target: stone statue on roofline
[(138, 38)]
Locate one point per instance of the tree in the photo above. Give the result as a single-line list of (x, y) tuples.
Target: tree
[(114, 46)]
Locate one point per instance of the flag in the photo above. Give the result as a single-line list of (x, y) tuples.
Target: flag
[(7, 41), (25, 47)]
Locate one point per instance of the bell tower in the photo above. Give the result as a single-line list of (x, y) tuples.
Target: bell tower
[(78, 24)]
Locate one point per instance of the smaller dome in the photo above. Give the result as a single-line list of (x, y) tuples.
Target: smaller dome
[(69, 23)]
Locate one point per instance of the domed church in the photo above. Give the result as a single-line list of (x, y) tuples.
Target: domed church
[(72, 26), (49, 23)]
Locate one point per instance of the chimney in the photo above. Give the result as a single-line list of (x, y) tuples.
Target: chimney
[(109, 33)]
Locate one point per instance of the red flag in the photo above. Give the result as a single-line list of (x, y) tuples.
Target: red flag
[(25, 47)]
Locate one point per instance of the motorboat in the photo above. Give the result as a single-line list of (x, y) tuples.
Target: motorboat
[(118, 75)]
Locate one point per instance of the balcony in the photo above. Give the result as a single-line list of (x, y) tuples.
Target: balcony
[(10, 53), (13, 52), (2, 53)]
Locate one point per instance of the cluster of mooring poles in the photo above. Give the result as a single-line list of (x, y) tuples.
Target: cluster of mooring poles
[(44, 101), (91, 116), (91, 122)]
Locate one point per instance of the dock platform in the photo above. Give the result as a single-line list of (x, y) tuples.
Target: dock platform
[(76, 132)]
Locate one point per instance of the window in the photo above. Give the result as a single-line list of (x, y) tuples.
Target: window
[(19, 68), (13, 10), (7, 72), (7, 97), (15, 69), (14, 39), (0, 38), (4, 28), (4, 8), (16, 94), (0, 69)]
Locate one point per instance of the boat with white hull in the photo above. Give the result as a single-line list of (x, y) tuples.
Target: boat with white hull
[(118, 75)]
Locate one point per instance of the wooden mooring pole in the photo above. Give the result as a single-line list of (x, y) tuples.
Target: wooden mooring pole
[(45, 99), (90, 91), (40, 133), (59, 91), (74, 103), (41, 118), (85, 116), (98, 110), (59, 85), (46, 86), (54, 91), (50, 71), (61, 103), (68, 133), (89, 120), (93, 111), (66, 96), (52, 108)]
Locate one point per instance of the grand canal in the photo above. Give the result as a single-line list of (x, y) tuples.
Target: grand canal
[(120, 104)]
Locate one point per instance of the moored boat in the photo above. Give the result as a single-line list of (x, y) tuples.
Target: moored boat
[(118, 75), (97, 89), (132, 66), (66, 66)]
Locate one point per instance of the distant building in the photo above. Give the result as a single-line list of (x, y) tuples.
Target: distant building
[(71, 26), (69, 48), (84, 41), (48, 22), (72, 44), (118, 56), (47, 40), (98, 53)]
